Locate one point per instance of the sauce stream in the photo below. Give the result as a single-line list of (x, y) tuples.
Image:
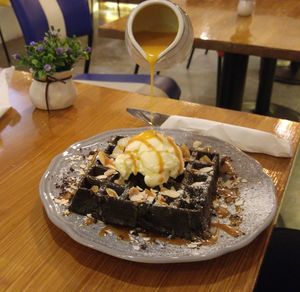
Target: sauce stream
[(153, 43)]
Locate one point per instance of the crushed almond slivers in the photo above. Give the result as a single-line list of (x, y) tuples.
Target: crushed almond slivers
[(90, 157), (119, 181), (205, 169), (216, 203), (102, 157), (226, 166), (110, 172), (170, 193), (111, 193), (229, 184), (151, 195), (67, 196), (82, 166), (94, 189), (235, 220), (226, 192), (160, 200), (72, 189), (81, 172), (133, 191), (239, 202), (139, 197), (205, 160), (185, 152), (147, 238), (187, 200), (194, 244), (88, 220), (197, 145), (105, 160), (66, 213), (101, 176), (205, 149), (61, 201)]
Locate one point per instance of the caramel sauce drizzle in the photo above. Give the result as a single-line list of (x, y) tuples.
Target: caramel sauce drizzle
[(133, 160), (143, 137), (212, 240), (228, 229), (222, 212), (123, 233)]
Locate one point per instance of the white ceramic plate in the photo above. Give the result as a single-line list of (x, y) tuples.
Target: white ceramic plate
[(258, 195)]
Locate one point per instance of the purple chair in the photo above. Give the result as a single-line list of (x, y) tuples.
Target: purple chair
[(73, 18)]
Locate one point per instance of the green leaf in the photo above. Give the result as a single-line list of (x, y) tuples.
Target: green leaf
[(35, 62)]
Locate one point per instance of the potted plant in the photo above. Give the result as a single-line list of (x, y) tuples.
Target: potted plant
[(51, 61)]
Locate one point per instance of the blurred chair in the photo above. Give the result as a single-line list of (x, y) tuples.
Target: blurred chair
[(4, 3), (71, 17), (288, 74), (74, 18), (280, 268), (4, 47)]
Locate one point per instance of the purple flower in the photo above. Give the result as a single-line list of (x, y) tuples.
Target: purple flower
[(69, 51), (40, 49), (59, 51), (16, 56), (88, 49), (47, 67), (32, 43)]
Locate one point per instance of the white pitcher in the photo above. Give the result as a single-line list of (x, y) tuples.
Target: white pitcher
[(164, 16)]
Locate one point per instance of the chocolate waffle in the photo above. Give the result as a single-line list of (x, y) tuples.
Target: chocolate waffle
[(180, 207)]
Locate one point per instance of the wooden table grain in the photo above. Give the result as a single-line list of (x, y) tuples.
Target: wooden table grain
[(37, 256)]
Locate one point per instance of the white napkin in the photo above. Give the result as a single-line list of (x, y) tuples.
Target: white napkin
[(5, 78), (246, 139)]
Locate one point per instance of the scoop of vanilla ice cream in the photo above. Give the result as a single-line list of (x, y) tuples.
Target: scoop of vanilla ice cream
[(150, 153)]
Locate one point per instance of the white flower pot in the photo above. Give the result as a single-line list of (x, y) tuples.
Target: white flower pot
[(61, 93)]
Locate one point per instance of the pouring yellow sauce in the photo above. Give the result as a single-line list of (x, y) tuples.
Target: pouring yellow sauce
[(154, 43)]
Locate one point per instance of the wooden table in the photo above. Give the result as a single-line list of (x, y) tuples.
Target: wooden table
[(272, 32), (36, 255)]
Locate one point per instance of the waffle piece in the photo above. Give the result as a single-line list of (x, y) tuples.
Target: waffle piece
[(180, 208)]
